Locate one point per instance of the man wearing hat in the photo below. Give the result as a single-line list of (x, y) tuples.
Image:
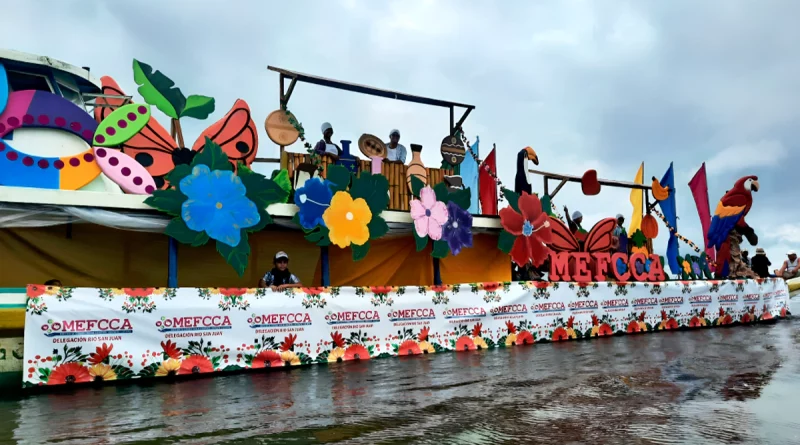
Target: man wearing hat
[(279, 278), (760, 263), (791, 267), (394, 151), (325, 146)]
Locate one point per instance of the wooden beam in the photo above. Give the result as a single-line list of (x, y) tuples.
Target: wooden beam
[(460, 122), (555, 192), (608, 182)]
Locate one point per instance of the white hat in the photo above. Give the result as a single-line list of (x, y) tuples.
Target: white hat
[(395, 131), (791, 252), (280, 255), (619, 215), (326, 126), (576, 214)]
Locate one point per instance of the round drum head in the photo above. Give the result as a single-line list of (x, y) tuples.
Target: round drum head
[(279, 130), (371, 146)]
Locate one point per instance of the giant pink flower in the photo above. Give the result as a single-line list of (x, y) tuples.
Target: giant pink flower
[(429, 214), (531, 227)]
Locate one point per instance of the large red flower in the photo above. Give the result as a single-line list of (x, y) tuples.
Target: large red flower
[(312, 290), (465, 343), (560, 334), (171, 349), (139, 291), (605, 330), (231, 291), (95, 358), (633, 326), (356, 352), (36, 290), (532, 229), (524, 338), (267, 359), (69, 373), (196, 364), (409, 347)]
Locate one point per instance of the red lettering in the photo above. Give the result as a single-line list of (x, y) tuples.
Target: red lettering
[(102, 325), (637, 258), (581, 273), (80, 325), (656, 268), (601, 265), (614, 260), (559, 266), (68, 325)]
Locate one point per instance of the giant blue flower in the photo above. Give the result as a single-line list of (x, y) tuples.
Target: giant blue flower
[(457, 231), (313, 198), (217, 204)]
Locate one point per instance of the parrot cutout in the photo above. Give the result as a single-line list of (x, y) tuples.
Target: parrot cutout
[(729, 215)]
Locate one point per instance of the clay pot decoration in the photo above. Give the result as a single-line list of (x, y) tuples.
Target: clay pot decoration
[(416, 167), (279, 130), (649, 227), (453, 150), (372, 146), (589, 183)]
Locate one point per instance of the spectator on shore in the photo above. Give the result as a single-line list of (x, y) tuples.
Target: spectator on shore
[(760, 263), (280, 278), (790, 268)]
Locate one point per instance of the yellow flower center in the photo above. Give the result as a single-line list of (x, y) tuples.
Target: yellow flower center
[(219, 205), (349, 216)]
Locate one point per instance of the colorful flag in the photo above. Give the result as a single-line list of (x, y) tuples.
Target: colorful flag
[(670, 212), (488, 186), (637, 199)]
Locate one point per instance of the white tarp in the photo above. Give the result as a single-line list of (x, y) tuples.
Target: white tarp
[(84, 334)]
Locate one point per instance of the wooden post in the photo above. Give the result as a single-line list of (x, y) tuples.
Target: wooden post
[(437, 274), (172, 263), (325, 266)]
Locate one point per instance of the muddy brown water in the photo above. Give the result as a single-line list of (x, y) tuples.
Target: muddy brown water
[(730, 385)]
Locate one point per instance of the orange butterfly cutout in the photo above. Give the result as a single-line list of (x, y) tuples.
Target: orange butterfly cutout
[(598, 239), (155, 149)]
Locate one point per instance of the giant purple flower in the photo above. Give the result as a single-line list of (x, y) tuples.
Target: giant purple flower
[(458, 228)]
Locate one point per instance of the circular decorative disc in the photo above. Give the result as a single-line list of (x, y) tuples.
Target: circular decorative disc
[(279, 130), (371, 146), (453, 150)]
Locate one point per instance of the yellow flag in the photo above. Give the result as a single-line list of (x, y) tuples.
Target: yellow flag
[(637, 198)]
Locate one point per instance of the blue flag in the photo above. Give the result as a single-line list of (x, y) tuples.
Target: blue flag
[(469, 175), (669, 210)]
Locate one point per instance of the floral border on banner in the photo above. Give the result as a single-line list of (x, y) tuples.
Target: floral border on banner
[(132, 333)]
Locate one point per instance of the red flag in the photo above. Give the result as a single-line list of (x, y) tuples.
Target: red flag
[(487, 185), (699, 187)]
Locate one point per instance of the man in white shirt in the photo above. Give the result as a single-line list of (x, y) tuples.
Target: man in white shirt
[(790, 268), (394, 151)]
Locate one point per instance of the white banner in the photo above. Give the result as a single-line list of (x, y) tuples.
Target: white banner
[(84, 334)]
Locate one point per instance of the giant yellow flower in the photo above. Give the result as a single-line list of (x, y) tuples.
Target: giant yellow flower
[(347, 220), (102, 372)]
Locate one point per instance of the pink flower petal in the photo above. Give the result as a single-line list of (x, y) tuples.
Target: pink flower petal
[(417, 209), (434, 229), (427, 196), (421, 226), (439, 212)]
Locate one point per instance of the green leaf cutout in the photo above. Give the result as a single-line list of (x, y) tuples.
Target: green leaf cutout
[(117, 128), (237, 256), (374, 189), (158, 90), (359, 252), (377, 227), (198, 107), (325, 239), (461, 198), (420, 241), (212, 156), (339, 177), (546, 207), (505, 242), (512, 199), (281, 177), (179, 172), (168, 201), (638, 238), (441, 192), (314, 236), (262, 191), (178, 229), (440, 249), (416, 186)]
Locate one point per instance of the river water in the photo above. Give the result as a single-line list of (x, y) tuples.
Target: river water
[(734, 385)]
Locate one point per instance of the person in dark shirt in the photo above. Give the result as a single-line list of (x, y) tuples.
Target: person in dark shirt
[(280, 278), (760, 263)]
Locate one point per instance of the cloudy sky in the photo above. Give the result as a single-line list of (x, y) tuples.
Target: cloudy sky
[(604, 85)]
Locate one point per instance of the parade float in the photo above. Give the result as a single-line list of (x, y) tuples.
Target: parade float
[(158, 244)]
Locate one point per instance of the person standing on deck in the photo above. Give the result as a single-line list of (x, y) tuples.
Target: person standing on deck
[(760, 263), (280, 278), (394, 151), (325, 146), (621, 234), (575, 225)]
